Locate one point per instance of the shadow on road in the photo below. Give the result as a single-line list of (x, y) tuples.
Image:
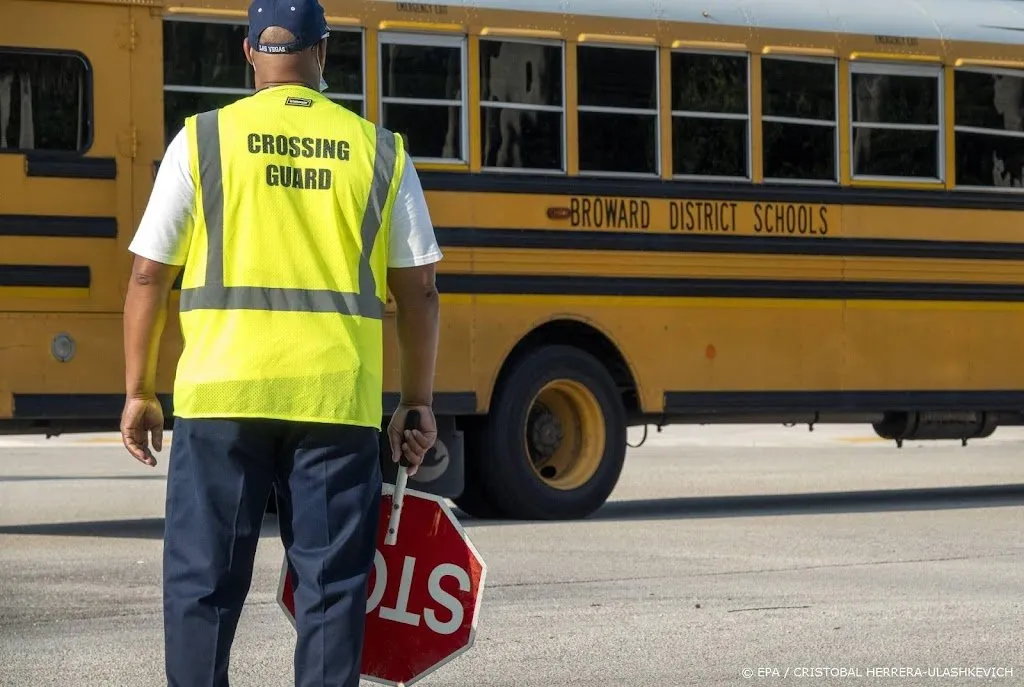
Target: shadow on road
[(147, 528), (822, 503), (892, 500), (143, 528), (77, 478)]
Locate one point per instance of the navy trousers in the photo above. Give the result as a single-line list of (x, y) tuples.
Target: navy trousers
[(220, 474)]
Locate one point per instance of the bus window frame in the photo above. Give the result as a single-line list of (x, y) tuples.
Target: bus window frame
[(601, 109), (727, 116), (339, 95), (563, 110), (429, 40), (894, 68), (86, 104), (243, 92), (836, 123), (1015, 73)]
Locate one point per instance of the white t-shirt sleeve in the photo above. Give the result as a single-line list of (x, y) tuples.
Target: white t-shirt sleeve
[(166, 227), (413, 243)]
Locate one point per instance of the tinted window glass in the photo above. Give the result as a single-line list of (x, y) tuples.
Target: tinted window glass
[(709, 83), (618, 117), (44, 102), (422, 72), (896, 120), (895, 99), (710, 124), (520, 73), (522, 118), (895, 153), (205, 54), (343, 70), (422, 97), (611, 142), (991, 105), (796, 151), (618, 77), (798, 99), (204, 69), (798, 89)]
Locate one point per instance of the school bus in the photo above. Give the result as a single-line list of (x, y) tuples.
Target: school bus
[(651, 213)]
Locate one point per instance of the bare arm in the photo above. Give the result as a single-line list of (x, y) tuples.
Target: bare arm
[(418, 330), (412, 241), (145, 314)]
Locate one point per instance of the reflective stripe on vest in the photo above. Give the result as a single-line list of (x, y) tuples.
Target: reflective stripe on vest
[(214, 295)]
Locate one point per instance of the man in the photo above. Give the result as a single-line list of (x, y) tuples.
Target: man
[(291, 217)]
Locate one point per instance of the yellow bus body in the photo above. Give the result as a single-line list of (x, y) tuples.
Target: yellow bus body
[(887, 298)]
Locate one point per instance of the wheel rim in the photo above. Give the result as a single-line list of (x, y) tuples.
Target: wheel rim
[(564, 434)]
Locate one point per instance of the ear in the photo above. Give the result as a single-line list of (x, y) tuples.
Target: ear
[(247, 51)]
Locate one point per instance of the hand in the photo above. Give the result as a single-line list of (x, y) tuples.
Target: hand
[(142, 415), (413, 444)]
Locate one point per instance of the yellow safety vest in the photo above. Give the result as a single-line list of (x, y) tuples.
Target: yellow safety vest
[(284, 285)]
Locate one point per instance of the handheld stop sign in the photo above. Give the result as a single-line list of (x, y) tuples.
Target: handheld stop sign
[(425, 587)]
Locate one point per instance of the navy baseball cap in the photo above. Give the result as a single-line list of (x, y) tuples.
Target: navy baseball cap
[(304, 19)]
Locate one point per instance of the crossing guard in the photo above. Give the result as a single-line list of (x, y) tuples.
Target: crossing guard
[(286, 267)]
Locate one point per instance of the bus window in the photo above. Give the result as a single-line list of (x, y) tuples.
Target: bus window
[(343, 70), (204, 68), (799, 119), (44, 102), (618, 110), (522, 106), (989, 107), (223, 75), (710, 115), (896, 121), (423, 94)]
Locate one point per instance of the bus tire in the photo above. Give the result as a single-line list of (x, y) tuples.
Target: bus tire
[(556, 436)]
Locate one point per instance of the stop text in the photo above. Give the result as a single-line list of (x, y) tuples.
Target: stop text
[(400, 612)]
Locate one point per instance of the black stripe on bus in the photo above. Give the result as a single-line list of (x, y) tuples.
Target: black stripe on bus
[(105, 406), (840, 401), (45, 275), (74, 406), (445, 402), (58, 225), (71, 167), (109, 406), (545, 239), (736, 192), (555, 285)]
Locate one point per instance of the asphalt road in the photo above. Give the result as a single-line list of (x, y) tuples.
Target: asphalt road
[(830, 555)]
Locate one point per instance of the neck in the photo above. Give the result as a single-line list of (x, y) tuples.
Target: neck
[(270, 83)]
